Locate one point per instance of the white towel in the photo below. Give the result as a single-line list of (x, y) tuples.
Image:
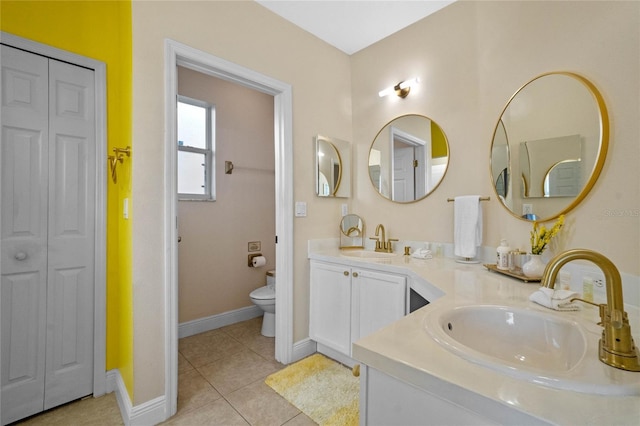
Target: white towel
[(422, 254), (559, 300), (467, 225)]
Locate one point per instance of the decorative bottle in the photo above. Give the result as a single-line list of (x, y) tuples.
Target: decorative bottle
[(502, 261)]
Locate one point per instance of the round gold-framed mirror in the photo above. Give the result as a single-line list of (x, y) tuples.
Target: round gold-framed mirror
[(549, 146), (408, 158)]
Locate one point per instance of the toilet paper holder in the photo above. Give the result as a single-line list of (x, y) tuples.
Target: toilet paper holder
[(251, 256)]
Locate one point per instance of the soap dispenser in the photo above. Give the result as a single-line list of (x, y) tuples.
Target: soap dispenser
[(502, 261)]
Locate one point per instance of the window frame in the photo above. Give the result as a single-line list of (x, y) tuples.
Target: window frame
[(208, 151)]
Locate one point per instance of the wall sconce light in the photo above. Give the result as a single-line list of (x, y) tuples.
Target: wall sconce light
[(401, 89)]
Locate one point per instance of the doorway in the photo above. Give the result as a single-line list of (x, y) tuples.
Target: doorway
[(53, 227), (224, 215), (180, 54)]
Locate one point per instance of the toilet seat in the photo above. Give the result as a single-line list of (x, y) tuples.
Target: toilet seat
[(263, 293)]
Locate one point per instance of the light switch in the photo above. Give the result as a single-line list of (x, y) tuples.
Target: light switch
[(125, 208), (301, 209)]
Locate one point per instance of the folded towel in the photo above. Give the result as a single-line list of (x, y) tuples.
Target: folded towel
[(467, 225), (422, 254), (560, 300)]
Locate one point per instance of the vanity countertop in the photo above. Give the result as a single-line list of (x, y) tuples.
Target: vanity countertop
[(406, 351)]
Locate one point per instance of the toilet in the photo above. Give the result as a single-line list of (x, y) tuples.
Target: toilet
[(265, 298)]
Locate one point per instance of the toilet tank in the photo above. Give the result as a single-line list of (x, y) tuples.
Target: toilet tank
[(271, 278)]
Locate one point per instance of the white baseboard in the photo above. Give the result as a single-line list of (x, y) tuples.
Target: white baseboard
[(201, 325), (338, 356), (302, 349), (150, 413)]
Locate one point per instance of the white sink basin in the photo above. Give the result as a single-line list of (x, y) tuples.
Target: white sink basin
[(525, 344), (367, 254)]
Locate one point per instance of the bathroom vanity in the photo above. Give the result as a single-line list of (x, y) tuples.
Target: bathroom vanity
[(412, 372)]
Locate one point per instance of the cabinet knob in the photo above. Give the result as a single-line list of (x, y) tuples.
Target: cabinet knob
[(346, 273), (20, 256), (355, 275)]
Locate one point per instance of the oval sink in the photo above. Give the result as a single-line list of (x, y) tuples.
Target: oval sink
[(520, 338), (525, 344), (367, 254)]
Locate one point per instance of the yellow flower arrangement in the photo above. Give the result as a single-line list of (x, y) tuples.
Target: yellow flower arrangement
[(541, 236)]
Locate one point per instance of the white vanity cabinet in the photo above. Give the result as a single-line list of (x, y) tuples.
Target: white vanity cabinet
[(347, 303)]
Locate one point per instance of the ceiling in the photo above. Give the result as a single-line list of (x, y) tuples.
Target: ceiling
[(352, 25)]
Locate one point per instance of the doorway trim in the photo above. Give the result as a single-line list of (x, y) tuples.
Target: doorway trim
[(176, 54), (100, 255)]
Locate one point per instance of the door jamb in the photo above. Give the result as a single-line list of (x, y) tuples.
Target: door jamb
[(100, 243), (180, 54)]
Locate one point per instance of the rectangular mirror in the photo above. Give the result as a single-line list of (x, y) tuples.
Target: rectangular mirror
[(333, 167)]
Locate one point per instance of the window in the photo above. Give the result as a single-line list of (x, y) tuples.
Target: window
[(196, 172)]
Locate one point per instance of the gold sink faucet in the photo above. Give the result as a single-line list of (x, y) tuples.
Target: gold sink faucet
[(616, 345), (383, 245)]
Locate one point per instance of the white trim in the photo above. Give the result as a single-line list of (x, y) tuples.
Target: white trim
[(100, 302), (303, 348), (148, 413), (179, 54), (213, 322)]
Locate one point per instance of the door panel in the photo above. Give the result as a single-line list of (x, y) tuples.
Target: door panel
[(24, 231), (69, 365), (23, 349), (403, 175)]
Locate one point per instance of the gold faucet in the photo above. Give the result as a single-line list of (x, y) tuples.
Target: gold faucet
[(616, 345), (383, 245)]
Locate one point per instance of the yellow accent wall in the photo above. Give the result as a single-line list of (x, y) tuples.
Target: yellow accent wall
[(100, 30), (438, 142)]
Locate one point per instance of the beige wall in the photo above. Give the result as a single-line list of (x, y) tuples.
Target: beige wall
[(213, 276), (471, 57), (247, 34)]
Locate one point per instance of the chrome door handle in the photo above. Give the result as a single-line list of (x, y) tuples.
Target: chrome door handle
[(20, 255)]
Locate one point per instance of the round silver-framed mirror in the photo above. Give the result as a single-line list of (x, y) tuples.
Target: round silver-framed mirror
[(549, 146), (408, 158)]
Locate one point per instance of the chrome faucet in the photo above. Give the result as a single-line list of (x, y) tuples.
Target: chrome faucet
[(383, 245), (616, 345)]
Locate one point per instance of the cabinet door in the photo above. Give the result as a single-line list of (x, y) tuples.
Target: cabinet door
[(378, 300), (330, 306)]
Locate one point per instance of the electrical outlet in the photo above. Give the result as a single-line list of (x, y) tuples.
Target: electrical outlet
[(527, 208), (344, 209)]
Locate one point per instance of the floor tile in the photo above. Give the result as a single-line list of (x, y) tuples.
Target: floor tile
[(300, 420), (219, 412), (234, 372), (194, 391), (208, 347), (90, 411), (260, 405), (220, 382), (183, 364)]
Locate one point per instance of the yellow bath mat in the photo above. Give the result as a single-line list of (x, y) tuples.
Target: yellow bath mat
[(323, 389)]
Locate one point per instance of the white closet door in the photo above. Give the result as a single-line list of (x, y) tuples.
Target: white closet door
[(24, 231), (69, 361), (48, 203)]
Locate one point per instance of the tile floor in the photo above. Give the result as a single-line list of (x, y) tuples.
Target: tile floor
[(220, 382)]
